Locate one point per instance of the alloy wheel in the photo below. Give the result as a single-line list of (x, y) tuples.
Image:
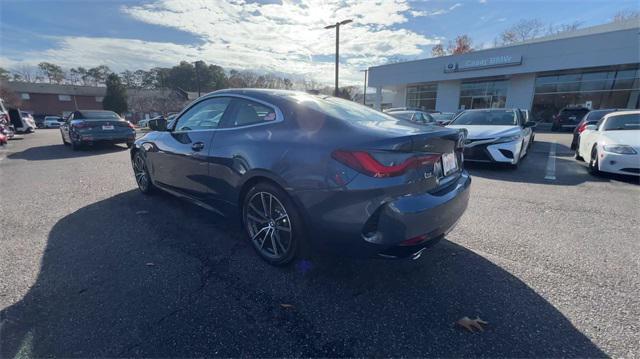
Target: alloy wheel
[(269, 225), (140, 172)]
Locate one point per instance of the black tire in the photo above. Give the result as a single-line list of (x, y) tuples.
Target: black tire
[(554, 128), (75, 145), (64, 142), (141, 174), (593, 162), (577, 155), (129, 144), (258, 207)]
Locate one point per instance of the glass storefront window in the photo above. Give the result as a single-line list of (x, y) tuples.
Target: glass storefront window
[(422, 96), (486, 94), (601, 89)]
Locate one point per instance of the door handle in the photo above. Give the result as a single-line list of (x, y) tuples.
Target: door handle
[(197, 146)]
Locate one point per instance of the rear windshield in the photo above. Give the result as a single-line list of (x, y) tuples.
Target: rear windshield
[(487, 118), (597, 115), (622, 122), (442, 116), (402, 115), (342, 109), (96, 115)]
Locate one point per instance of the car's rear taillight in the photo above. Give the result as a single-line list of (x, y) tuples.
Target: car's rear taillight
[(366, 163), (582, 127), (130, 125)]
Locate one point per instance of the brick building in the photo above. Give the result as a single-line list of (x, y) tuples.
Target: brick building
[(43, 99)]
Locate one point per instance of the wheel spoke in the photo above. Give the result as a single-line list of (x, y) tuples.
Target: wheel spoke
[(264, 205), (258, 232), (285, 229), (279, 241), (273, 243), (254, 209), (281, 217), (255, 219)]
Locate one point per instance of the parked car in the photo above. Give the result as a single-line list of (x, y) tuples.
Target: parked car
[(52, 121), (495, 135), (22, 122), (29, 120), (613, 144), (87, 127), (591, 118), (309, 172), (6, 128), (419, 117), (39, 121), (568, 118), (443, 118)]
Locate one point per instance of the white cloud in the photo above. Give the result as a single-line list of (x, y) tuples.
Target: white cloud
[(419, 13), (286, 37)]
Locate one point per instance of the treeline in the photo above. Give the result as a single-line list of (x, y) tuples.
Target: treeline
[(186, 76)]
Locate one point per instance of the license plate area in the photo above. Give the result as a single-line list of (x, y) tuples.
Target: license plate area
[(107, 127), (449, 163)]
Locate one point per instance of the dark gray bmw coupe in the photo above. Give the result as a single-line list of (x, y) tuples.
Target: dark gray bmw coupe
[(309, 173)]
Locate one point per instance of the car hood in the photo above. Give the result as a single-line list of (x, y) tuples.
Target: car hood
[(475, 132), (624, 137)]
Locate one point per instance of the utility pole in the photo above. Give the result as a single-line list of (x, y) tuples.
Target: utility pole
[(337, 26), (364, 97)]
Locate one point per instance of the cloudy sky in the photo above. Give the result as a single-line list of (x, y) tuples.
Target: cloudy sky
[(271, 35)]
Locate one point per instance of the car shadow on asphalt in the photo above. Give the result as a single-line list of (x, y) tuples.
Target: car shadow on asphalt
[(55, 152), (156, 276), (533, 169)]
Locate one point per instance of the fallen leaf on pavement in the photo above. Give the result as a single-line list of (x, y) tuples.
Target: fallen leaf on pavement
[(471, 324), (150, 264), (142, 212), (286, 306)]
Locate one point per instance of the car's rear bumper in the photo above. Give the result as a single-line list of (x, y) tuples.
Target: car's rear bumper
[(350, 223), (119, 137)]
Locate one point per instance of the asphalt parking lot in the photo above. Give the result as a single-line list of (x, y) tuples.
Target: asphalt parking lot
[(90, 267)]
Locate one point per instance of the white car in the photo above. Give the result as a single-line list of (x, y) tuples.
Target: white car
[(495, 135), (613, 144), (52, 121)]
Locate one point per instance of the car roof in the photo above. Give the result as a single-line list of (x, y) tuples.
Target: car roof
[(618, 113), (492, 109)]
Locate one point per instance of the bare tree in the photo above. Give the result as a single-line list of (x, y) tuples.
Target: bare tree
[(621, 16), (523, 30), (461, 45), (27, 74), (438, 50)]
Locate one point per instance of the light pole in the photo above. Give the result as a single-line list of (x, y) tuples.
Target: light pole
[(364, 97), (337, 26)]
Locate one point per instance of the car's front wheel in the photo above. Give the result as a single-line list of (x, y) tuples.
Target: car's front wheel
[(141, 173), (273, 224)]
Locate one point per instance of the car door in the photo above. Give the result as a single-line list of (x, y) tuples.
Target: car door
[(242, 144), (179, 159)]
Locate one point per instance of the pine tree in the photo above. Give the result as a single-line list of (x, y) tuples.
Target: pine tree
[(116, 97)]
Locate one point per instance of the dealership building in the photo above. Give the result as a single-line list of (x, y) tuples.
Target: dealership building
[(596, 67)]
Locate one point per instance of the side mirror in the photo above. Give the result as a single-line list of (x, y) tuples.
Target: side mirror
[(158, 124), (591, 127), (530, 124)]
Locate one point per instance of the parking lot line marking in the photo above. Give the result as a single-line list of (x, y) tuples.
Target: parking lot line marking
[(551, 163)]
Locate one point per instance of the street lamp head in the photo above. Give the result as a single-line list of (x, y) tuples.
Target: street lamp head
[(344, 22), (330, 26)]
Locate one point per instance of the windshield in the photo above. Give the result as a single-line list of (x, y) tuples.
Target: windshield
[(622, 122), (96, 115), (487, 118), (442, 116)]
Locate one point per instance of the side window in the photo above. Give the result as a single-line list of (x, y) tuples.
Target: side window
[(245, 112), (428, 118), (204, 115)]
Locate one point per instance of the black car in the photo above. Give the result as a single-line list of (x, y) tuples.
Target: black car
[(309, 173), (88, 127), (591, 118), (568, 118)]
